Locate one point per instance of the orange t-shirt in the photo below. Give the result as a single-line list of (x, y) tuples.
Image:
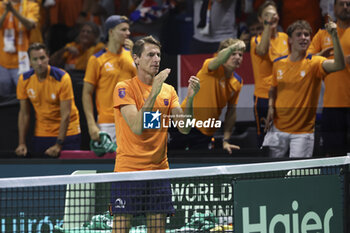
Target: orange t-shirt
[(262, 66), (298, 89), (215, 93), (30, 11), (45, 97), (147, 151), (104, 71), (337, 84)]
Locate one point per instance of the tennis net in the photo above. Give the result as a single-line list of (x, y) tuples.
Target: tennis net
[(309, 195)]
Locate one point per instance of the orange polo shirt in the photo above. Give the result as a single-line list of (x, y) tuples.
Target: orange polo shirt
[(262, 66), (215, 93), (147, 151), (104, 71), (337, 84), (298, 89), (45, 97)]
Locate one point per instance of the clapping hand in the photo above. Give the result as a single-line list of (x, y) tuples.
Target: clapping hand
[(193, 86), (159, 79)]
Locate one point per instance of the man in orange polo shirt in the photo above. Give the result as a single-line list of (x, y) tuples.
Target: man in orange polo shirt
[(220, 88), (265, 48), (335, 122), (104, 70), (140, 103), (295, 90), (50, 91)]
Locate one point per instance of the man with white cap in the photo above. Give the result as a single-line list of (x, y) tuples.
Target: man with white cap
[(104, 70)]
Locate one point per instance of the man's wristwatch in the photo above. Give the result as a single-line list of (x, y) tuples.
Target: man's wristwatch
[(59, 142)]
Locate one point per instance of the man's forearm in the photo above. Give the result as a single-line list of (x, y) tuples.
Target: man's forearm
[(65, 111), (134, 117), (230, 121), (188, 115), (23, 126), (272, 96), (221, 58), (148, 106), (63, 128), (2, 18), (338, 53), (27, 23), (88, 109), (263, 47)]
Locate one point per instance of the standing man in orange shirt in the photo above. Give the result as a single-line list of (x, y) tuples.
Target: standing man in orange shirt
[(295, 90), (265, 48), (50, 91), (104, 70), (140, 105), (17, 18), (335, 122)]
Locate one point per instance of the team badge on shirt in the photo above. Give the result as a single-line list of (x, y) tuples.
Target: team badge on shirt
[(279, 74), (328, 41), (121, 92), (166, 102), (31, 93), (109, 66)]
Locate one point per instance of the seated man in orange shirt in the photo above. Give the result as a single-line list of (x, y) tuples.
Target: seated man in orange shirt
[(50, 91), (220, 87), (295, 89), (75, 55), (140, 107)]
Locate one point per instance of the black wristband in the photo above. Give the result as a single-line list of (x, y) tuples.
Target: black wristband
[(59, 142), (226, 140)]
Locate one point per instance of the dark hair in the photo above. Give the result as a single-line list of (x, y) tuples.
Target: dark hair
[(226, 43), (299, 24), (264, 5), (140, 45), (93, 26), (37, 46)]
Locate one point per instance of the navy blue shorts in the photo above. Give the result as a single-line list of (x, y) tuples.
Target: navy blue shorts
[(141, 197), (261, 107)]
